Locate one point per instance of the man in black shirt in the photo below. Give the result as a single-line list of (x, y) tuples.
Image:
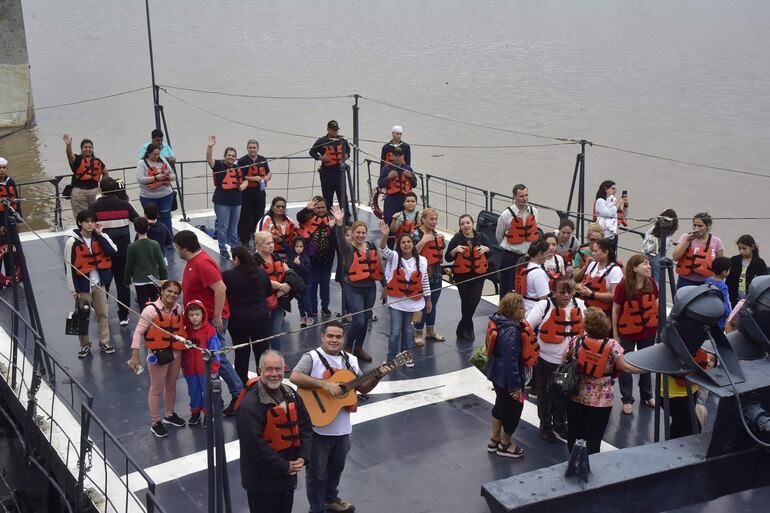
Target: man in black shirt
[(256, 172), (386, 155), (87, 170), (332, 150), (115, 215)]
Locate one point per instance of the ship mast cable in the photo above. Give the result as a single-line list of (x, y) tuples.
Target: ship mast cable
[(257, 96), (79, 102)]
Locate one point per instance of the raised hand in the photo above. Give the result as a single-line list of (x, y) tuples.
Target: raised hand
[(339, 214), (212, 140), (67, 139), (311, 204), (384, 228)]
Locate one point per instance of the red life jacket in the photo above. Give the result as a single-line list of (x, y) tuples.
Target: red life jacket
[(638, 314), (592, 356), (282, 240), (530, 349), (555, 327), (520, 280), (333, 150), (470, 260), (256, 169), (232, 179), (407, 226), (399, 185), (696, 261), (311, 225), (8, 192), (156, 338), (521, 231), (89, 169), (554, 274), (598, 284), (399, 286), (86, 261), (152, 171), (434, 251), (281, 430), (275, 269), (365, 265)]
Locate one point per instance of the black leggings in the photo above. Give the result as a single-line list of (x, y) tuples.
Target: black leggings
[(242, 334), (470, 295), (679, 410), (252, 209), (551, 409), (507, 410), (587, 423)]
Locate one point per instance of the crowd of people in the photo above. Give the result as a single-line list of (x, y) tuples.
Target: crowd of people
[(559, 299)]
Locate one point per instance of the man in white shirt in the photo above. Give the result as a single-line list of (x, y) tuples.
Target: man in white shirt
[(331, 443), (516, 229)]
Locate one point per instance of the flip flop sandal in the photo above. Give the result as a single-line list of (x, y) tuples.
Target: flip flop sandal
[(517, 452), (493, 445)]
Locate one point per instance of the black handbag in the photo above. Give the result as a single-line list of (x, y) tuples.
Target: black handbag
[(174, 202), (76, 322), (67, 192), (565, 380)]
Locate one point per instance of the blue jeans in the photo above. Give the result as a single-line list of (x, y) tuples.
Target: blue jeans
[(320, 275), (322, 476), (276, 326), (164, 208), (506, 277), (227, 225), (226, 369), (357, 299), (401, 336), (686, 282), (655, 265), (430, 318)]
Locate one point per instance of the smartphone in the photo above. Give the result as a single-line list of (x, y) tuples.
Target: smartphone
[(624, 194)]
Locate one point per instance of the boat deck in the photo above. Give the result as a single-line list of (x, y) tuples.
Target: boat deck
[(418, 443)]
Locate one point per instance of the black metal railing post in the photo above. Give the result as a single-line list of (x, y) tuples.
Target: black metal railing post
[(582, 191), (425, 191), (355, 195), (57, 210), (85, 450)]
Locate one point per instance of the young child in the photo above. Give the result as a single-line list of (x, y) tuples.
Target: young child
[(299, 262), (721, 268), (157, 231), (203, 334), (144, 258), (406, 220)]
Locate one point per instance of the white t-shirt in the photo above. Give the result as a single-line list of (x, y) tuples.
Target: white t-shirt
[(340, 425), (391, 261), (537, 285), (93, 276), (551, 353), (555, 263), (607, 215), (614, 276)]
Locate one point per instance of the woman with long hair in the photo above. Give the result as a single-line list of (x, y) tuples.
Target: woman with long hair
[(407, 290), (154, 175), (467, 251), (430, 244), (157, 319), (506, 373), (696, 251), (608, 209), (228, 187), (744, 267), (635, 323), (276, 269), (282, 227), (247, 287), (651, 243), (597, 280), (530, 279)]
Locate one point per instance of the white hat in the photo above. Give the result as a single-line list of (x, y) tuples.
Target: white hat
[(3, 162), (397, 129)]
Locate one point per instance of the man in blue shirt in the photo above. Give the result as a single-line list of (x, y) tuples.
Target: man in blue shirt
[(165, 150)]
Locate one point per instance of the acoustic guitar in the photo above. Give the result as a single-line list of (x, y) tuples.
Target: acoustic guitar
[(324, 407)]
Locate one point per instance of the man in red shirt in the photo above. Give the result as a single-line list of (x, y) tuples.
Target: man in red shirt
[(202, 280)]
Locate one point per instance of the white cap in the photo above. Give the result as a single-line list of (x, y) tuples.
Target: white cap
[(3, 162), (397, 129)]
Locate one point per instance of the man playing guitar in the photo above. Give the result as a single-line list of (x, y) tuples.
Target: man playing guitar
[(331, 442)]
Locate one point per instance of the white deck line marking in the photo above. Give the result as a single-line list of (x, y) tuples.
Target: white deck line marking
[(68, 450), (468, 381)]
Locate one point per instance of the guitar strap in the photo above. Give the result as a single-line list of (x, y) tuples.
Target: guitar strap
[(325, 363)]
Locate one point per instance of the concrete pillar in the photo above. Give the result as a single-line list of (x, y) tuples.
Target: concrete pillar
[(15, 84)]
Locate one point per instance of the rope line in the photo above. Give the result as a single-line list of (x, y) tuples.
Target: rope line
[(257, 96), (79, 102)]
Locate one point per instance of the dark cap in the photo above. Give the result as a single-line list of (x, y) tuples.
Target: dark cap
[(333, 125), (398, 151)]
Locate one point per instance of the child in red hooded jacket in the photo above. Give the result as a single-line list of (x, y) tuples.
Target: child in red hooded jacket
[(203, 335)]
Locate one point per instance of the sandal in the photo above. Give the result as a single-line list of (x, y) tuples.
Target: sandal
[(430, 334), (517, 451), (650, 403), (493, 445), (628, 409)]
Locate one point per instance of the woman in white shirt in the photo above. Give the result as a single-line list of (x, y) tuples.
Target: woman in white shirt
[(554, 264), (597, 280), (407, 290), (530, 280), (606, 209)]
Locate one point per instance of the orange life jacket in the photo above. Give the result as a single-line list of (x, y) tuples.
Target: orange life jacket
[(592, 356), (256, 169), (530, 349), (554, 274), (399, 286), (333, 150), (696, 261), (521, 231), (89, 169), (86, 261), (399, 185), (275, 269), (520, 281), (157, 338), (309, 227), (282, 240), (598, 284), (281, 430), (556, 326), (365, 265), (434, 251), (470, 260), (701, 357), (8, 192), (152, 171), (232, 179), (638, 314), (407, 226)]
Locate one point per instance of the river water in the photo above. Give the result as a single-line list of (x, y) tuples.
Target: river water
[(685, 79)]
